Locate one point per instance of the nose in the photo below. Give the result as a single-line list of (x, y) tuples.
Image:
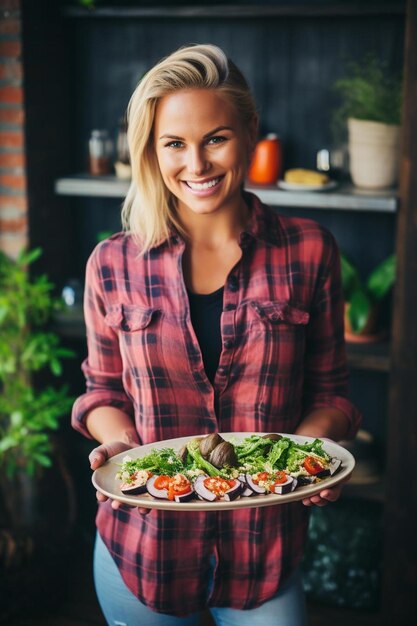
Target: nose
[(197, 161)]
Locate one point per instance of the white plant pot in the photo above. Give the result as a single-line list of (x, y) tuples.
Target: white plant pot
[(374, 153)]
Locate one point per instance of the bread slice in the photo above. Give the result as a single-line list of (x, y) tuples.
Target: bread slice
[(305, 177)]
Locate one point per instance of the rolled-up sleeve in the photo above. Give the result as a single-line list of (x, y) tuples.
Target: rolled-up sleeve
[(326, 373), (103, 367)]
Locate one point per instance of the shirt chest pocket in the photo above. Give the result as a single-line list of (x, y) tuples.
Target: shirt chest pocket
[(138, 328), (278, 314), (276, 338)]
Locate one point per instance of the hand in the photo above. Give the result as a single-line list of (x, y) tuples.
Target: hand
[(327, 495), (99, 456)]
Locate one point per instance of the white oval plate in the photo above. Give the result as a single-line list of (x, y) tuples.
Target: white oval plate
[(282, 184), (104, 478)]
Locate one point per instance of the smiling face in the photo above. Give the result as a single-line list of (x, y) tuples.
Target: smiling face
[(202, 150)]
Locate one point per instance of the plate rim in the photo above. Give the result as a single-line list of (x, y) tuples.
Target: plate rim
[(259, 501)]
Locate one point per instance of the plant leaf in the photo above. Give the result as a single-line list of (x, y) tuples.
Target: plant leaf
[(7, 443), (43, 460), (26, 258), (350, 277), (359, 310), (56, 367), (382, 278)]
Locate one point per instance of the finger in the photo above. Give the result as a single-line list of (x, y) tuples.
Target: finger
[(116, 504), (314, 500), (307, 502), (144, 511), (97, 457), (331, 495), (101, 497)]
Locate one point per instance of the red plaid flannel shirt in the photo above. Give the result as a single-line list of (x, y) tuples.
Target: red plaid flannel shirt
[(283, 355)]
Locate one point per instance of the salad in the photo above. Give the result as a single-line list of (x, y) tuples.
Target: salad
[(212, 469)]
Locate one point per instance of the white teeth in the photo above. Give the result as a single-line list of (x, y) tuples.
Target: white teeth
[(200, 186)]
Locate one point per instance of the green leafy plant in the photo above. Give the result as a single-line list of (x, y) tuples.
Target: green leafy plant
[(27, 414), (370, 92), (364, 297)]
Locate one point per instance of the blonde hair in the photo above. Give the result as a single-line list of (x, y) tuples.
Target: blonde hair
[(149, 208)]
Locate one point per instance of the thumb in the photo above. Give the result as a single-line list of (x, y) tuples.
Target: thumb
[(102, 453), (98, 456)]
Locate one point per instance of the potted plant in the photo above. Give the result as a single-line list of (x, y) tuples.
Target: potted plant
[(363, 300), (37, 495), (372, 108), (29, 410)]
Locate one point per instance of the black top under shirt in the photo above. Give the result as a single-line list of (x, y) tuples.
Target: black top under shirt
[(205, 311)]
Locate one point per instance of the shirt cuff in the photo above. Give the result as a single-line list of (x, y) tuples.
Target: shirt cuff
[(93, 399)]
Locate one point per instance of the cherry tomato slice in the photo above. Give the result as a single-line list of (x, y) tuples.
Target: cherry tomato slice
[(162, 482), (312, 466), (260, 476), (177, 485), (218, 485), (279, 479)]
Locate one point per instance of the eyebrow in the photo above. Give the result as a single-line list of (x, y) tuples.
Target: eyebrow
[(209, 134)]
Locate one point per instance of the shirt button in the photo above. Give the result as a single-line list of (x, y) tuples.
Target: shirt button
[(228, 343), (230, 307), (233, 283)]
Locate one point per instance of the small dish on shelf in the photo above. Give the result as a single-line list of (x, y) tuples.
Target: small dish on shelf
[(282, 184)]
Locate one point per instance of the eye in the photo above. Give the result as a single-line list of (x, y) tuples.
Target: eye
[(217, 139), (174, 144)]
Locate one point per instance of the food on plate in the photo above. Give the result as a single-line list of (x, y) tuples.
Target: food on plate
[(211, 469), (223, 455), (178, 487), (135, 483), (302, 176), (215, 488)]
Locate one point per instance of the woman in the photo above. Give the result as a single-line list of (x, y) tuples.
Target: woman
[(209, 313)]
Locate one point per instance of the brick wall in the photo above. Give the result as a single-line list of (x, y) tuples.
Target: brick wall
[(13, 196)]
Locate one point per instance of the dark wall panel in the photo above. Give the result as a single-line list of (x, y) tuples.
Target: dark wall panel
[(291, 65)]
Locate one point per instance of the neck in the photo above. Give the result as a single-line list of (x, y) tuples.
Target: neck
[(214, 230)]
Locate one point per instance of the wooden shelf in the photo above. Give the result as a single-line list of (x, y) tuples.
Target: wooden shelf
[(369, 356), (239, 10), (92, 186), (345, 198)]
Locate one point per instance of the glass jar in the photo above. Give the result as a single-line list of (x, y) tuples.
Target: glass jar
[(100, 152)]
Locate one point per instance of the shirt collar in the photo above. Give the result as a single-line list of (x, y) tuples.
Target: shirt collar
[(263, 224)]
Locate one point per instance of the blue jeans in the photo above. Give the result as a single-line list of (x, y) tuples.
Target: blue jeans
[(121, 608)]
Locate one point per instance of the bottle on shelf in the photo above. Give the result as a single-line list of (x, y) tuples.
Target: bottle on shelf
[(266, 164), (100, 150)]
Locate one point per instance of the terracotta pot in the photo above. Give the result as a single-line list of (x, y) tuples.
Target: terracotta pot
[(369, 334), (374, 153)]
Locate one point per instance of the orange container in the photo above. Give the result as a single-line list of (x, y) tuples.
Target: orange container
[(266, 164)]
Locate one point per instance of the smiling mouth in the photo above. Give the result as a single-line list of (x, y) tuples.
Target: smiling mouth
[(202, 186)]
